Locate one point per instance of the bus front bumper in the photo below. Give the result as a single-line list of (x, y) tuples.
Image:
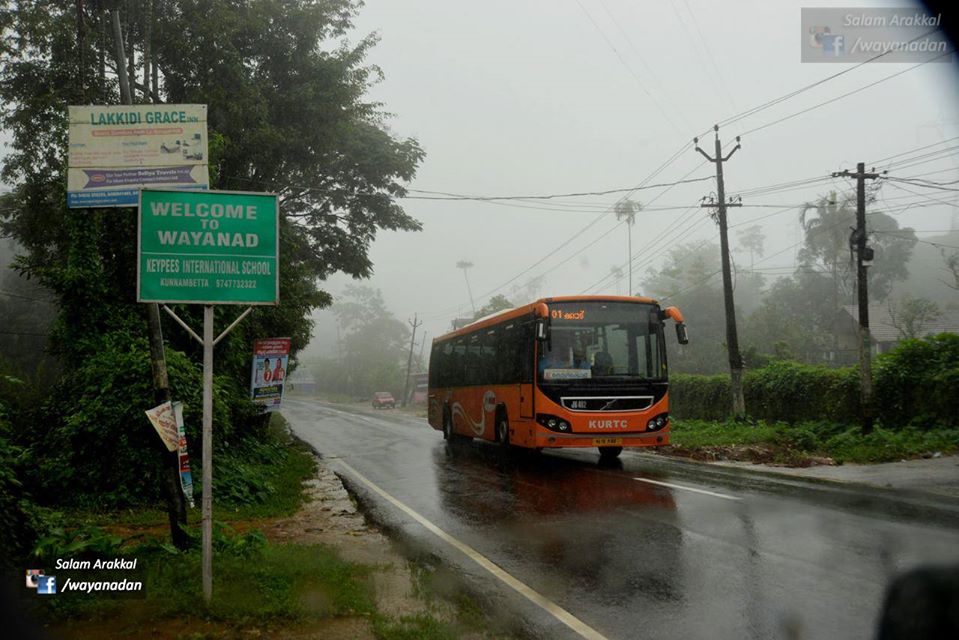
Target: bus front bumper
[(564, 440)]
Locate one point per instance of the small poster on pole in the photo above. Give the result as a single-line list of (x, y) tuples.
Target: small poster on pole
[(163, 420), (186, 477), (270, 360)]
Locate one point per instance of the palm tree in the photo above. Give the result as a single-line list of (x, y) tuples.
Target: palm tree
[(627, 210), (464, 265), (826, 225)]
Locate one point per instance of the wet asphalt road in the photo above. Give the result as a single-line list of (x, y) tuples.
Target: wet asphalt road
[(630, 556)]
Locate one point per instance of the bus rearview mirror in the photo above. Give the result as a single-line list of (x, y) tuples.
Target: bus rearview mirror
[(540, 329), (681, 333)]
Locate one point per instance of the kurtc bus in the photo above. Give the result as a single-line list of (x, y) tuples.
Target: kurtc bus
[(584, 371)]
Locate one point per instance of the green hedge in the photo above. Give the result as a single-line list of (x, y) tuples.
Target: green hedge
[(916, 384)]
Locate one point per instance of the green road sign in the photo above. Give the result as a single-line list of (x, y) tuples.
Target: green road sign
[(208, 247)]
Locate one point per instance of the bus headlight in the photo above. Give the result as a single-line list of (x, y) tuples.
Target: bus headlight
[(658, 422), (553, 423)]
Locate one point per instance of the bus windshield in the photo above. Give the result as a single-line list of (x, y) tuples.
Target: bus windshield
[(596, 340)]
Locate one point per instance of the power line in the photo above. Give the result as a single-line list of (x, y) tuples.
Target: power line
[(903, 153), (792, 94), (845, 95), (622, 60), (923, 184), (460, 196)]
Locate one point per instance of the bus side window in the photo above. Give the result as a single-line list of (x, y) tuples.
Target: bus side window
[(524, 353), (458, 364), (490, 356), (434, 371), (474, 360)]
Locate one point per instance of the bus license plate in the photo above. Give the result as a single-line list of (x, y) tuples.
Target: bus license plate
[(606, 442)]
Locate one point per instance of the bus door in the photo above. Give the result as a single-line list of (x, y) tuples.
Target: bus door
[(526, 387)]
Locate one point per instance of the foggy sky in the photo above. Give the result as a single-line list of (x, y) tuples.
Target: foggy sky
[(518, 98)]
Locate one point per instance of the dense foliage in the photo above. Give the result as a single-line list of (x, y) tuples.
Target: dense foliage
[(287, 114), (916, 384)]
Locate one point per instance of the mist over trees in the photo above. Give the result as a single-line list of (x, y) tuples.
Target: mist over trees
[(798, 316), (372, 347), (288, 114)]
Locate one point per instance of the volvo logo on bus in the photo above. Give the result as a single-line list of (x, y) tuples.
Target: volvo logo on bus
[(608, 424)]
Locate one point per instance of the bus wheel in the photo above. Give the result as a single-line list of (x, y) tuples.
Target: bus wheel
[(502, 430), (608, 453)]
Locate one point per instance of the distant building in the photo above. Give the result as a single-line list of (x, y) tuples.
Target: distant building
[(882, 330), (419, 385)]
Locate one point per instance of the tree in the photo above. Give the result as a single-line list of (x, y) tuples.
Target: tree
[(952, 265), (826, 248), (498, 302), (373, 345), (627, 210), (795, 318), (687, 280), (287, 114), (909, 315), (751, 240)]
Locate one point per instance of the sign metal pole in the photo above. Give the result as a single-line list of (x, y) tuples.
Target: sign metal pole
[(208, 453)]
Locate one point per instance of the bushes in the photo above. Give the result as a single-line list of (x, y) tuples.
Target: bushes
[(916, 384), (781, 391), (793, 392), (695, 397), (19, 516), (95, 447)]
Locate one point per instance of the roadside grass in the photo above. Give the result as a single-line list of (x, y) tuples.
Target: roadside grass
[(255, 584), (264, 481), (261, 589), (800, 444)]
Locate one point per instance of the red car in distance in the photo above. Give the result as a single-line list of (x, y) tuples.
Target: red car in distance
[(383, 400)]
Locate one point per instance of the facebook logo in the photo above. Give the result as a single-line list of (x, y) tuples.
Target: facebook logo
[(833, 45), (47, 586)]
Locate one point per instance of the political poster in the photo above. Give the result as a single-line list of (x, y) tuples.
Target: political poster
[(186, 476), (164, 421), (116, 150), (271, 358)]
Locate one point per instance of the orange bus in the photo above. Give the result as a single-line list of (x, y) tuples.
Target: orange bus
[(574, 371)]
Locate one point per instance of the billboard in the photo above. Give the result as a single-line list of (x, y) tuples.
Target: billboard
[(208, 247), (271, 358), (116, 150)]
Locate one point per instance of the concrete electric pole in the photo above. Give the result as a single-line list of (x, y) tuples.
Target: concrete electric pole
[(864, 254), (732, 338)]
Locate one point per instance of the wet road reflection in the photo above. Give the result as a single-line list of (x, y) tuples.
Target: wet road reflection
[(599, 531), (635, 559)]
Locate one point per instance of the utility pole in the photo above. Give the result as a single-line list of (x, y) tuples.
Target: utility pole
[(409, 360), (170, 464), (864, 254), (732, 338)]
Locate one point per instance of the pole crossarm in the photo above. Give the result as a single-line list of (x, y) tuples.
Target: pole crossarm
[(186, 327), (248, 311)]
